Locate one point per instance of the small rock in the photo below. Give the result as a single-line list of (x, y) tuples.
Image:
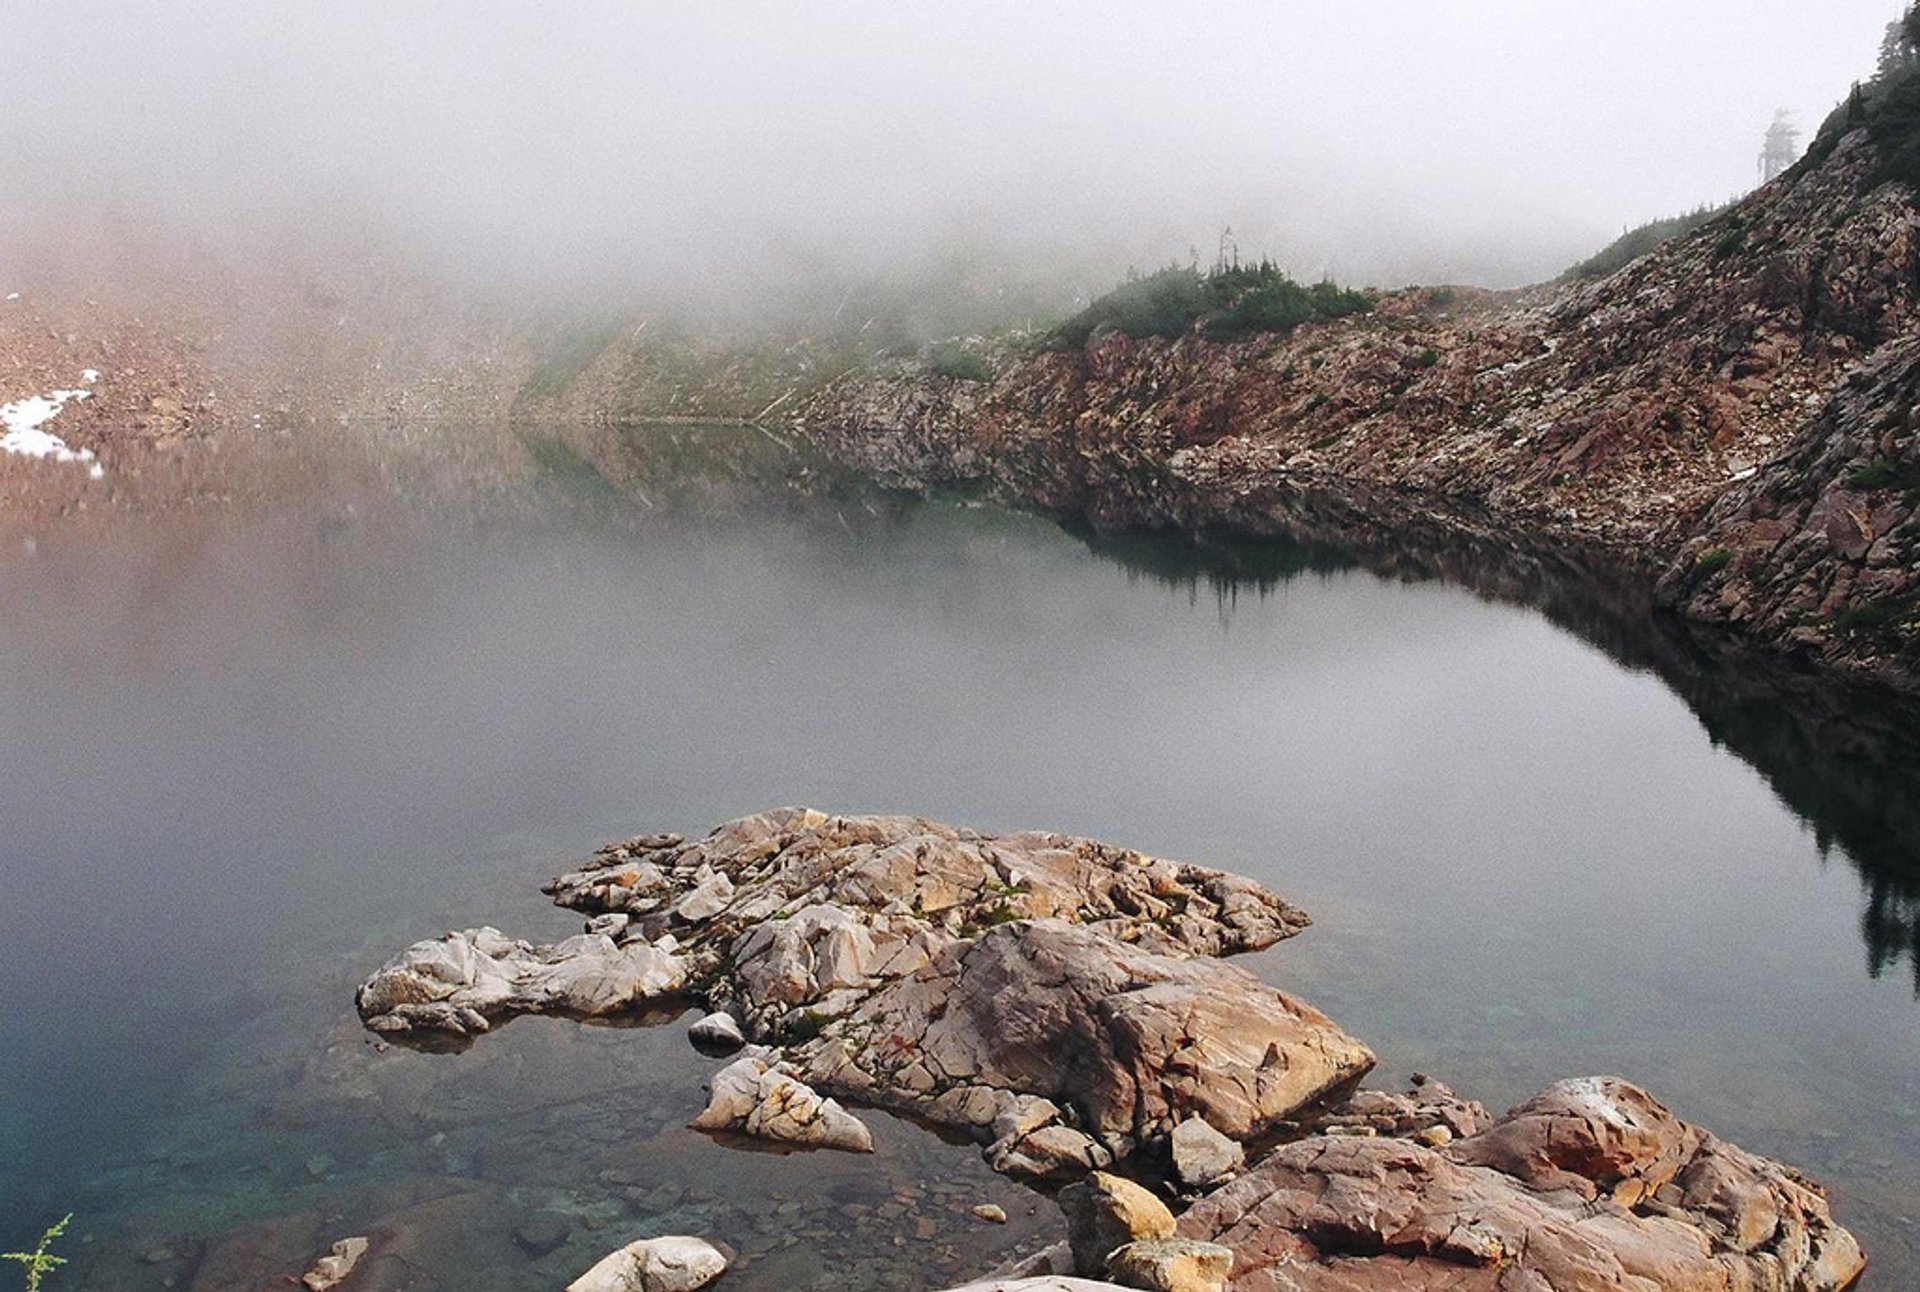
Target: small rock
[(538, 1235), (672, 1264), (1040, 1283), (332, 1269), (161, 1256), (990, 1212), (1172, 1265), (716, 1034), (1202, 1155), (1105, 1212), (749, 1097)]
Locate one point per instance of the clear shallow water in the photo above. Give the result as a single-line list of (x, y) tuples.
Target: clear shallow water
[(240, 768)]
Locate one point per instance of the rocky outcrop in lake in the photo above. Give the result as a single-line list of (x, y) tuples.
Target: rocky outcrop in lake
[(1732, 380), (1062, 1001), (936, 972)]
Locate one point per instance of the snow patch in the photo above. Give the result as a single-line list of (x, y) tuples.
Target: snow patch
[(23, 419)]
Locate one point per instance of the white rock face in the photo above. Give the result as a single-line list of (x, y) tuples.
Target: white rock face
[(457, 985), (750, 1097), (673, 1264)]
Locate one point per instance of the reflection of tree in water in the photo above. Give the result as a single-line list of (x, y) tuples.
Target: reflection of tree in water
[(1226, 564), (1842, 757)]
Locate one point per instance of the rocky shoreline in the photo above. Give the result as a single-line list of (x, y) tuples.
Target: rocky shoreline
[(1064, 1003), (1729, 417)]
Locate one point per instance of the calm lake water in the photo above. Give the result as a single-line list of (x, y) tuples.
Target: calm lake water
[(243, 765)]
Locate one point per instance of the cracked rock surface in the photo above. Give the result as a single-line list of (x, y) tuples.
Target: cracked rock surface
[(1591, 1186)]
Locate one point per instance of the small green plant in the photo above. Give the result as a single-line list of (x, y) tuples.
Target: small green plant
[(1875, 475), (1713, 560), (39, 1262), (1426, 359)]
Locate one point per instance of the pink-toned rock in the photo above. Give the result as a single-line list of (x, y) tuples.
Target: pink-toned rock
[(1592, 1186), (934, 970)]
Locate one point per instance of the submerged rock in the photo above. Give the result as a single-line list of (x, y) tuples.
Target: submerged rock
[(750, 1097), (333, 1269), (1591, 1186), (673, 1264), (539, 1235)]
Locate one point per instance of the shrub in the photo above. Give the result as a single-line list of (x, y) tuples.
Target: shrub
[(1227, 301), (1882, 474), (1870, 618), (959, 363), (1713, 560)]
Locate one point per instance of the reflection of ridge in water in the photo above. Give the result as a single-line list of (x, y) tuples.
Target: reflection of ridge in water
[(1843, 757), (1226, 563)]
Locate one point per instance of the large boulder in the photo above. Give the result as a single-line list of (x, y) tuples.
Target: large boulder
[(1592, 1186), (1122, 1043)]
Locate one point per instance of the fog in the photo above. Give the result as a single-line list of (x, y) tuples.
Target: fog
[(709, 147)]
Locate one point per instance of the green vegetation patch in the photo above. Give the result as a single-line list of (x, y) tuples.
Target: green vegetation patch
[(1713, 560), (1877, 618), (951, 359), (1227, 301), (1884, 475), (1635, 243)]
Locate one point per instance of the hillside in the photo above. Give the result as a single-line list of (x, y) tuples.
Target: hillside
[(1706, 414)]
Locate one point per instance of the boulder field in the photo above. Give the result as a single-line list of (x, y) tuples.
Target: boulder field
[(1065, 1003)]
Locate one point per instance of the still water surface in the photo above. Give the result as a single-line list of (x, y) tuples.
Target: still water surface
[(241, 766)]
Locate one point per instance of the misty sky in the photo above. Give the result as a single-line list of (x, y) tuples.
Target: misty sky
[(1382, 140)]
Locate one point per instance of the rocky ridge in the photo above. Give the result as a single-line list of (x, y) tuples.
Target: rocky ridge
[(1745, 358), (1061, 1001)]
